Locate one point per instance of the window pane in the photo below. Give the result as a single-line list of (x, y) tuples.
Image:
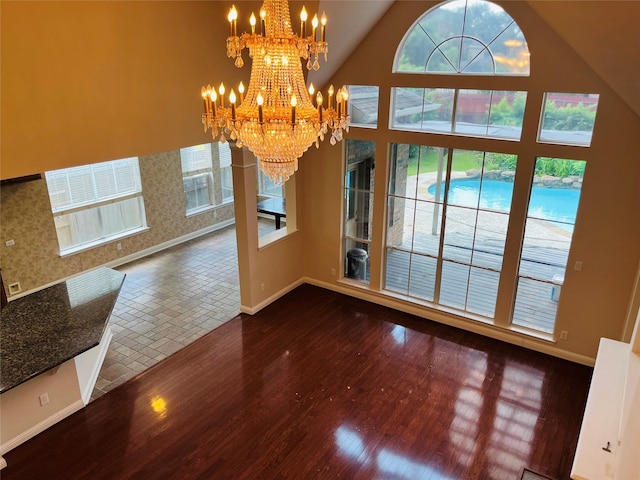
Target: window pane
[(196, 158), (491, 235), (568, 118), (267, 188), (99, 223), (363, 105), (127, 176), (59, 193), (87, 193), (226, 175), (553, 206), (105, 181), (426, 235), (356, 260), (422, 109), (535, 305), (397, 271), (464, 37), (490, 113), (483, 291), (358, 214), (197, 191), (479, 188), (454, 285), (422, 277), (401, 221), (399, 183), (79, 186), (358, 205)]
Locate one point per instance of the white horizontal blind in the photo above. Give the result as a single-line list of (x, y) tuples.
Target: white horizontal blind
[(75, 187), (226, 176), (225, 154), (196, 159)]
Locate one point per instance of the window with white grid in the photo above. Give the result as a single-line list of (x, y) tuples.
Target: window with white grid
[(197, 177), (206, 176), (95, 204)]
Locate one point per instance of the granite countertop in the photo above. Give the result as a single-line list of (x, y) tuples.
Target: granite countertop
[(46, 328)]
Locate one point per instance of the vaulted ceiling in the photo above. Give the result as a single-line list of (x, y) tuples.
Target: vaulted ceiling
[(603, 32)]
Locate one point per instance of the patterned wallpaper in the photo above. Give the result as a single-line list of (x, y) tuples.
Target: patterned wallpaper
[(26, 218)]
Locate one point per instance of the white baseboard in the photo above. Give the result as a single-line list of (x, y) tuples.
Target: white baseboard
[(271, 299), (168, 244), (41, 427), (505, 335), (136, 256)]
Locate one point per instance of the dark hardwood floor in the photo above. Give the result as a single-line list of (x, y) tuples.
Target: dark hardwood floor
[(321, 385)]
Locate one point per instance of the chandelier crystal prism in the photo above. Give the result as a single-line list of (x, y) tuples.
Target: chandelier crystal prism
[(276, 119)]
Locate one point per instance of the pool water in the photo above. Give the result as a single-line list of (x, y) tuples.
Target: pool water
[(554, 204)]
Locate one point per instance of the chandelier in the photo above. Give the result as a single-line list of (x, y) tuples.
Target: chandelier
[(276, 118)]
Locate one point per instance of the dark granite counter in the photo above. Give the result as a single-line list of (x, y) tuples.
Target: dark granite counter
[(46, 328)]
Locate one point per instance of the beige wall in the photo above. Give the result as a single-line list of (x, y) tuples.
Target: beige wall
[(595, 301), (22, 413), (270, 266), (106, 80), (25, 217)]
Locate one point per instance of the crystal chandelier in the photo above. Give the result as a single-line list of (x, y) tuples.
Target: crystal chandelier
[(276, 118)]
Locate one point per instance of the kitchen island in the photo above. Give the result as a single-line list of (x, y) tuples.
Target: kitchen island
[(53, 343)]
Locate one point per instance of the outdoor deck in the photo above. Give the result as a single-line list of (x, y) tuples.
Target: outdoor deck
[(474, 289), (535, 308)]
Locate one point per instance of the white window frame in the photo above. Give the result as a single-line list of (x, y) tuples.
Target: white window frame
[(85, 184), (196, 162)]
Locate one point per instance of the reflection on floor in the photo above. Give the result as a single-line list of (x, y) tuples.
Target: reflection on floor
[(320, 385), (168, 300)]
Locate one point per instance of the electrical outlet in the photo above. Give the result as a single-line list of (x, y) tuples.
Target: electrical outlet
[(564, 335), (119, 246), (44, 399), (577, 266), (333, 272), (262, 287), (14, 288)]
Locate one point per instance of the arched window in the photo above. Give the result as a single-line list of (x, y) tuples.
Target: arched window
[(469, 37)]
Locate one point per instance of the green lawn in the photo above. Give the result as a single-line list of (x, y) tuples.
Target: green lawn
[(462, 161)]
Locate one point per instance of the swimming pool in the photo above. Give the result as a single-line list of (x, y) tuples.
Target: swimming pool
[(555, 204)]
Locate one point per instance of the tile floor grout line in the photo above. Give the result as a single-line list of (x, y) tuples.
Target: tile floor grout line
[(152, 319)]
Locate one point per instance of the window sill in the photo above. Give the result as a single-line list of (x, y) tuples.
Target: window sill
[(275, 237), (208, 208), (98, 243), (198, 211)]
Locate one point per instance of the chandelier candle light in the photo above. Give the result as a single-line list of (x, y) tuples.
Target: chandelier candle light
[(276, 118)]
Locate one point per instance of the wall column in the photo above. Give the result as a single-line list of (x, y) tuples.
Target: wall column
[(243, 166)]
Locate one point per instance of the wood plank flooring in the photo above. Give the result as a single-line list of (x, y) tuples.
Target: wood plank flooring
[(320, 385)]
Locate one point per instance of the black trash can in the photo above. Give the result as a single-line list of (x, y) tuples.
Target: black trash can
[(357, 263)]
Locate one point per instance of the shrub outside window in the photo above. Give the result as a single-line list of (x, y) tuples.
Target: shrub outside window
[(477, 113), (568, 118)]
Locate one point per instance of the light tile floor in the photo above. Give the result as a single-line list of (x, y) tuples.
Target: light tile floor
[(168, 300)]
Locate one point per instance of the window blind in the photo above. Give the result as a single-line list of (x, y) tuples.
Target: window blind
[(196, 158), (90, 184), (225, 154)]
